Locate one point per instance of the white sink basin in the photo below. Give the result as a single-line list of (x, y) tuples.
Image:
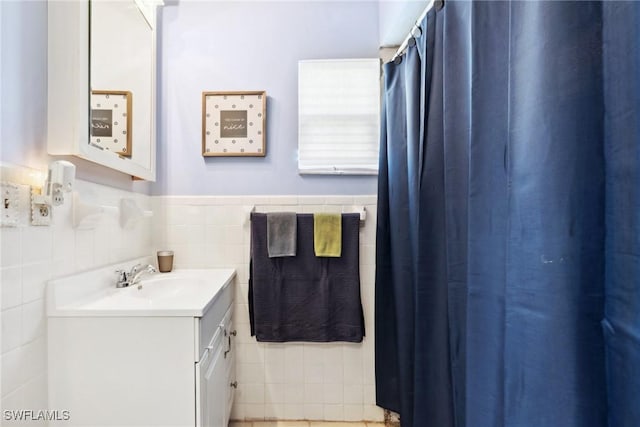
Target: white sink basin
[(158, 287), (179, 293)]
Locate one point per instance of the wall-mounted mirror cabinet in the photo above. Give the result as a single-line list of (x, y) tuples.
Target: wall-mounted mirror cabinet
[(102, 80)]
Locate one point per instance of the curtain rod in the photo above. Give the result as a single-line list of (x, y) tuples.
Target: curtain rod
[(415, 30)]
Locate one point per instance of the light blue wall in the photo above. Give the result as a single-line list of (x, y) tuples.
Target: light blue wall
[(397, 17), (240, 45), (205, 45), (24, 82)]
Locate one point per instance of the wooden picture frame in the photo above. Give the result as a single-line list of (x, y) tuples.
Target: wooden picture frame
[(111, 121), (234, 123)]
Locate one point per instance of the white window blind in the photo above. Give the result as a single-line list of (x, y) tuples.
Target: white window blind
[(338, 116)]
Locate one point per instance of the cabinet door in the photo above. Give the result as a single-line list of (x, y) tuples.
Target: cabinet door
[(213, 389), (230, 368)]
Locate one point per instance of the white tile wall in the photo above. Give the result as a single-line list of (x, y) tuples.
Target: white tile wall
[(29, 256), (315, 381)]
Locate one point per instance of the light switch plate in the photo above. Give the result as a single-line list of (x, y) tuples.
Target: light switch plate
[(9, 204)]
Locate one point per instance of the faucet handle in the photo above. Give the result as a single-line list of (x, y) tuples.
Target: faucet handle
[(135, 269), (123, 278)]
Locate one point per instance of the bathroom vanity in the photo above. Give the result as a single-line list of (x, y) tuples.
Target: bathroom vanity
[(159, 353)]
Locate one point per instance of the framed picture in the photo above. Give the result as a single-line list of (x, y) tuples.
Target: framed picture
[(233, 123), (111, 121)]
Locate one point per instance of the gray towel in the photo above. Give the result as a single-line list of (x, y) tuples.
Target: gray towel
[(281, 234), (305, 298)]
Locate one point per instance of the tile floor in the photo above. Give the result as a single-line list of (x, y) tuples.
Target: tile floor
[(303, 424)]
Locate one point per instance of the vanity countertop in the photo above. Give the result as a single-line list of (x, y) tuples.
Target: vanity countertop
[(182, 292)]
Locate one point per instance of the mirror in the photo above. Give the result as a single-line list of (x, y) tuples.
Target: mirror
[(120, 77), (102, 66)]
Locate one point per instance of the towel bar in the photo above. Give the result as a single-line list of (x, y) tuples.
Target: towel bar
[(362, 210)]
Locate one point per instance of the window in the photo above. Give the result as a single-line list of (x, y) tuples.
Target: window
[(338, 116)]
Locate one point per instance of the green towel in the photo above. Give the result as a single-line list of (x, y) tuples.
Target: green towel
[(327, 235)]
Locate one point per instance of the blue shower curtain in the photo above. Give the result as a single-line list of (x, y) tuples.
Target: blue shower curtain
[(508, 245)]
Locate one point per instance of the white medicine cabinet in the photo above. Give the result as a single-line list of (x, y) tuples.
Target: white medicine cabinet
[(102, 81)]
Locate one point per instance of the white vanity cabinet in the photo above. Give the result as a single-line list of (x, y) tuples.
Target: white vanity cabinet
[(116, 361)]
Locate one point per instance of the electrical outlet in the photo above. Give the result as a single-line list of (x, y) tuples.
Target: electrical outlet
[(40, 210), (58, 197), (9, 203)]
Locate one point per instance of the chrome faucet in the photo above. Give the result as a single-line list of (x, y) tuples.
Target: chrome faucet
[(131, 278)]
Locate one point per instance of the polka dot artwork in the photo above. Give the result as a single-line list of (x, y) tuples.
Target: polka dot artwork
[(106, 109), (233, 123)]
